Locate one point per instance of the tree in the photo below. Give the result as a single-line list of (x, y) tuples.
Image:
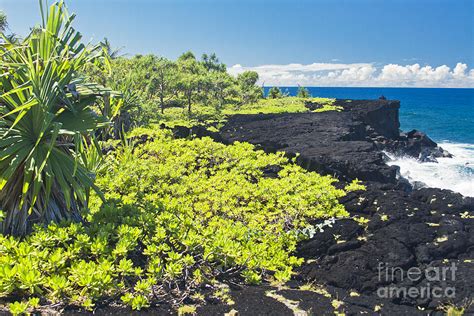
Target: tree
[(212, 63), (222, 86), (121, 107), (190, 77), (107, 106), (249, 92), (274, 93), (164, 81), (186, 56), (303, 92), (113, 53), (3, 22), (248, 78), (45, 116)]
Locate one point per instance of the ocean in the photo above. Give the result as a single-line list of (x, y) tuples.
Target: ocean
[(445, 115)]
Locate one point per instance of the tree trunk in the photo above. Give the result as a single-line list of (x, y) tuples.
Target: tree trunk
[(162, 104), (189, 103), (19, 222), (106, 113)]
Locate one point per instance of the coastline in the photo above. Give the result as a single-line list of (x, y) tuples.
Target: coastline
[(443, 114), (406, 227), (166, 177), (456, 173)]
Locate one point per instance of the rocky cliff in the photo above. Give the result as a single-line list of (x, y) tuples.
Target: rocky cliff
[(347, 144)]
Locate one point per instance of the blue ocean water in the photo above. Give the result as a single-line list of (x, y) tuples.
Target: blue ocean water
[(446, 115)]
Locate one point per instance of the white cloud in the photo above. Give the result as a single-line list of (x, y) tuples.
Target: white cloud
[(362, 74), (460, 70)]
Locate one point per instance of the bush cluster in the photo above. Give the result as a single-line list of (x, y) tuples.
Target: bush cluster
[(177, 214), (282, 105)]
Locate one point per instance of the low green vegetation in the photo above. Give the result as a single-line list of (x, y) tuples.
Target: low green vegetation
[(210, 117), (177, 214), (453, 310), (328, 106), (267, 106), (283, 105)]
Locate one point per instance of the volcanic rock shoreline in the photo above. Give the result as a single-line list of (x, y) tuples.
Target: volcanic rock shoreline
[(404, 230), (351, 265)]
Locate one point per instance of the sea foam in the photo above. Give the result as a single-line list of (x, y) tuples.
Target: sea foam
[(456, 174)]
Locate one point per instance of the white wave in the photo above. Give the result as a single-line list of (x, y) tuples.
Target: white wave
[(456, 174)]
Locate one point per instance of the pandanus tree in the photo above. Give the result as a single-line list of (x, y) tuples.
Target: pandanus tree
[(121, 108), (113, 53), (45, 118)]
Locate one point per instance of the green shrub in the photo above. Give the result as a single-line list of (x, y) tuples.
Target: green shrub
[(267, 106), (178, 213), (329, 107), (274, 93), (282, 105), (303, 93)]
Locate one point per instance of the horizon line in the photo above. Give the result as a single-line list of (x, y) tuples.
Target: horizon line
[(368, 87)]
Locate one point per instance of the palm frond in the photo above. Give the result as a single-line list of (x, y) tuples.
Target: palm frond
[(45, 114)]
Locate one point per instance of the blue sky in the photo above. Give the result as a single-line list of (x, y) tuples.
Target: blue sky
[(430, 33)]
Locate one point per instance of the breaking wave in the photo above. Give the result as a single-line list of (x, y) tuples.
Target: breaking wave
[(456, 174)]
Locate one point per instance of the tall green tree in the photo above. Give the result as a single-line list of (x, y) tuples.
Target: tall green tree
[(158, 82), (134, 78), (190, 77), (212, 63), (249, 92), (164, 81), (222, 87), (45, 115), (186, 56), (113, 53)]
